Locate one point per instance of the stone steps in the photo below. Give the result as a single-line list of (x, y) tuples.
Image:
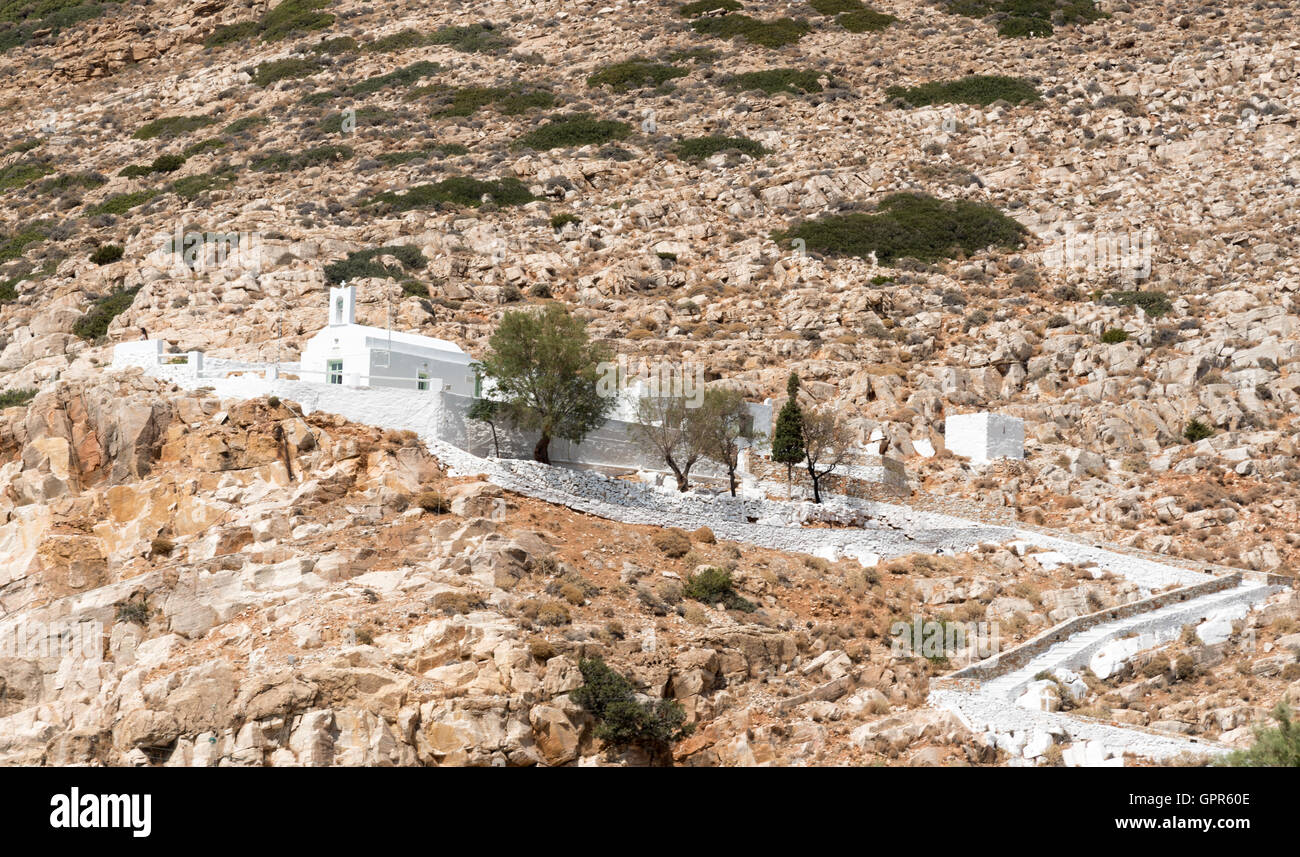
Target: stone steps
[(991, 706)]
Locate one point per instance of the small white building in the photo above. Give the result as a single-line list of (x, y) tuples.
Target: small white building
[(358, 355), (985, 436)]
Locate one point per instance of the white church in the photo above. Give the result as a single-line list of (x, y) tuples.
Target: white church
[(358, 355), (367, 374)]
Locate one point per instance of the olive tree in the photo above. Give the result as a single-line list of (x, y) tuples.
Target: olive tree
[(545, 369), (827, 443), (727, 427), (674, 430)]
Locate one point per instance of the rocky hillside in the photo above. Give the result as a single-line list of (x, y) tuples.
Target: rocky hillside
[(1114, 264)]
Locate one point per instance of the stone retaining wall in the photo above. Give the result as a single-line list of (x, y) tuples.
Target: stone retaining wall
[(1016, 658)]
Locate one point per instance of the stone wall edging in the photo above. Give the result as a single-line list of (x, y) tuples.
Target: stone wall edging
[(1015, 658)]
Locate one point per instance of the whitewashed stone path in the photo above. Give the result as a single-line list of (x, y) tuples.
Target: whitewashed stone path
[(886, 530), (870, 531), (991, 707)]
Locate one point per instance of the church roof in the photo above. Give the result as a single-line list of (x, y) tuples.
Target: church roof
[(398, 338)]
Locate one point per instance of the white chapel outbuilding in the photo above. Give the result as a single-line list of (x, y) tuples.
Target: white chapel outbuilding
[(358, 355)]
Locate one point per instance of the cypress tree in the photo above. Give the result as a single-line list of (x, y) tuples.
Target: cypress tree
[(787, 438)]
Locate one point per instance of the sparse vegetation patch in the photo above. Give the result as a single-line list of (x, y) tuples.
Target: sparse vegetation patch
[(634, 74), (460, 191), (1023, 18), (16, 398), (94, 324), (700, 148), (978, 89), (480, 38), (911, 225), (365, 263), (773, 80), (578, 129), (770, 34), (172, 126), (701, 7), (277, 161), (290, 17)]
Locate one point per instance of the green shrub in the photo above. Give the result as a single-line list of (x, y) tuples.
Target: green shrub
[(16, 398), (294, 16), (94, 324), (339, 45), (69, 181), (835, 7), (910, 225), (1154, 304), (521, 101), (414, 288), (622, 721), (700, 148), (21, 148), (106, 254), (192, 187), (276, 161), (578, 129), (1278, 747), (770, 34), (510, 102), (634, 74), (865, 21), (172, 126), (699, 7), (1019, 18), (558, 221), (231, 33), (362, 264), (457, 191), (211, 144), (13, 244), (167, 163), (402, 77), (399, 41), (475, 38), (393, 159), (121, 203), (978, 89), (853, 15), (23, 173), (714, 586), (467, 100), (777, 80), (1115, 336), (245, 123), (695, 55), (21, 22), (289, 68), (1196, 430), (365, 117), (135, 610)]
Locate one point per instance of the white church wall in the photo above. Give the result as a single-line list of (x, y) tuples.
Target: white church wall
[(611, 445), (143, 353), (434, 415), (985, 436), (399, 365)]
